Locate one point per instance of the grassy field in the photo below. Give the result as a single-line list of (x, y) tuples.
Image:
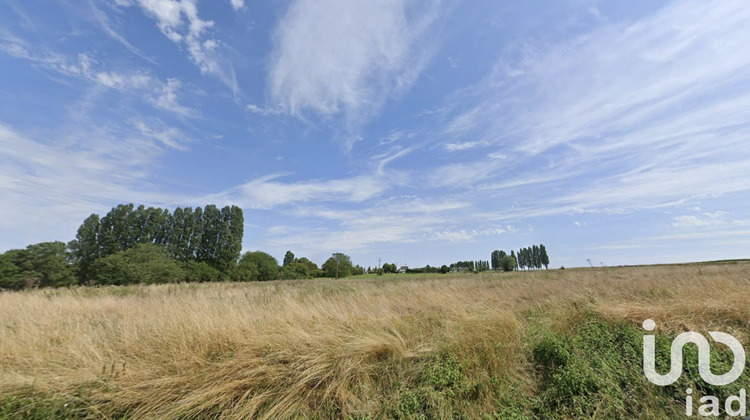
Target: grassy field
[(547, 344)]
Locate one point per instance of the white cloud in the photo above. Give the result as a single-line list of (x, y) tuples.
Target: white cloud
[(456, 147), (53, 180), (394, 220), (327, 64), (80, 66), (170, 137), (255, 109), (179, 21), (266, 192), (616, 78), (166, 98), (707, 220), (628, 116), (237, 4), (163, 95)]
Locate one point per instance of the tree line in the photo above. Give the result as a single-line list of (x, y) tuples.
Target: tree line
[(208, 240), (533, 258), (130, 245)]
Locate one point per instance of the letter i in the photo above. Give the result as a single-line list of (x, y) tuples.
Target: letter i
[(689, 403)]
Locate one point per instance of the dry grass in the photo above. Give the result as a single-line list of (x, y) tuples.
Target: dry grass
[(325, 348)]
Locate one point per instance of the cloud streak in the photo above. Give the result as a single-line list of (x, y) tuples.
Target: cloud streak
[(629, 114)]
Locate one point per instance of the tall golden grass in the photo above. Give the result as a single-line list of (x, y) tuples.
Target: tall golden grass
[(323, 348)]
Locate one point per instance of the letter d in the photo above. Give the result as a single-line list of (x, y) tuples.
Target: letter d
[(742, 399)]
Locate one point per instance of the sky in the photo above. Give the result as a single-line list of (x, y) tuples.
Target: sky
[(413, 132)]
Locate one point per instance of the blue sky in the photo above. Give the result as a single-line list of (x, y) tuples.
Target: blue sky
[(419, 132)]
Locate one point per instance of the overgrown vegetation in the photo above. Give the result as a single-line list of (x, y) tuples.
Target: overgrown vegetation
[(526, 345)]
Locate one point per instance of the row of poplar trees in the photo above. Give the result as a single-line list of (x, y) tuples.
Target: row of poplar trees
[(209, 235), (533, 257)]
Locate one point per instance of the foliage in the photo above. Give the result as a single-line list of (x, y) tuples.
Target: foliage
[(145, 263), (481, 265), (463, 265), (497, 256), (358, 270), (339, 265), (301, 268), (40, 265), (288, 258), (533, 257), (200, 271), (256, 266), (389, 268), (205, 235)]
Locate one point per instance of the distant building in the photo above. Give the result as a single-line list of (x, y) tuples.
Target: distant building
[(403, 269)]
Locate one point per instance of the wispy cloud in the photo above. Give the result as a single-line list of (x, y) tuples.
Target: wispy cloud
[(179, 21), (629, 113), (268, 192), (54, 181), (237, 4), (19, 48), (325, 65), (103, 21), (163, 95), (704, 220), (394, 220), (456, 147)]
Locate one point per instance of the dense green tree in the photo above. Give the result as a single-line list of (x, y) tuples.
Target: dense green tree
[(288, 258), (301, 268), (465, 265), (144, 263), (256, 266), (45, 264), (178, 236), (200, 271), (211, 236), (495, 259), (12, 276), (50, 261), (507, 263), (389, 268), (543, 257), (339, 265), (212, 228), (229, 241), (86, 247), (444, 269)]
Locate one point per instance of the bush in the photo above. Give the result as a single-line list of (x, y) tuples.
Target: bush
[(44, 264), (145, 263), (300, 268), (200, 272), (344, 264), (256, 266)]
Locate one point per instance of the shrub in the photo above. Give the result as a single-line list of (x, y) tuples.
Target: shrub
[(256, 266), (145, 263)]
